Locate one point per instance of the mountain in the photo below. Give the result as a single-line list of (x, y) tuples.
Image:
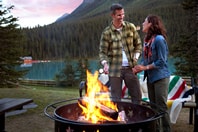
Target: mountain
[(93, 8), (83, 9), (62, 17)]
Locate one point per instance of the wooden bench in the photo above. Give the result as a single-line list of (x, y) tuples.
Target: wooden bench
[(9, 104), (190, 104)]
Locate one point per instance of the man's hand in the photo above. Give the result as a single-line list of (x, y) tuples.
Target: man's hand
[(106, 68)]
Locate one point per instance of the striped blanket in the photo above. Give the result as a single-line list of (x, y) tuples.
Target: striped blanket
[(177, 87)]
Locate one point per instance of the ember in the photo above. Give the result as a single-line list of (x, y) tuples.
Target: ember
[(98, 107)]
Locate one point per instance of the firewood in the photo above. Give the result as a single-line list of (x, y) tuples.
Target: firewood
[(113, 114)]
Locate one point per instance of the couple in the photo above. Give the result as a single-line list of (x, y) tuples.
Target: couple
[(119, 50)]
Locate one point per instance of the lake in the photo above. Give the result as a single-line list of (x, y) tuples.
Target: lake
[(48, 70)]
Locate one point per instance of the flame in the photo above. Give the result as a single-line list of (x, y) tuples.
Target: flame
[(96, 94)]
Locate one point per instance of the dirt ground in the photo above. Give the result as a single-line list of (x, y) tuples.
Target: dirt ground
[(182, 124), (28, 122)]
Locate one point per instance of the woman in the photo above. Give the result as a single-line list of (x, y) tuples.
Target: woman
[(155, 67)]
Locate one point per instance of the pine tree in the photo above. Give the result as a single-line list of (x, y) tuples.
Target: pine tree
[(66, 77), (10, 48), (82, 66), (186, 51)]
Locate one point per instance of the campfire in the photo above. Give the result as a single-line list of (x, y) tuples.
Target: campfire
[(96, 105)]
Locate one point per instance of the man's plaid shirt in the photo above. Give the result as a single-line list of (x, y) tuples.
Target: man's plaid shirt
[(111, 44)]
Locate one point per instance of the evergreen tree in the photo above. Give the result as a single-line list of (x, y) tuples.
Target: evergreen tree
[(186, 50), (10, 48), (66, 76), (82, 67)]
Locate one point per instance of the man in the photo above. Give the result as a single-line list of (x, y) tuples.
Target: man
[(119, 50)]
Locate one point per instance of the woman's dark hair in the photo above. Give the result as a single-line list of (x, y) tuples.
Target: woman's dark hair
[(156, 28), (115, 6)]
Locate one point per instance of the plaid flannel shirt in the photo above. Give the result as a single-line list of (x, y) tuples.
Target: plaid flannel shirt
[(111, 44)]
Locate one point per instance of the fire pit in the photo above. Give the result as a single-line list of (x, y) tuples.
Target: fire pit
[(97, 112), (139, 118)]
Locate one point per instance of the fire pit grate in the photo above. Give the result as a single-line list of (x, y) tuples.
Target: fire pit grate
[(140, 118)]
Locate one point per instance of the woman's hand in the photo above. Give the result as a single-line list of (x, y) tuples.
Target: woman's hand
[(139, 68)]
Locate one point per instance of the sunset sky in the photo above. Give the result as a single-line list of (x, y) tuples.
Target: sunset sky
[(40, 12)]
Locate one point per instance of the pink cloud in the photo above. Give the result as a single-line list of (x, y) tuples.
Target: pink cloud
[(35, 9)]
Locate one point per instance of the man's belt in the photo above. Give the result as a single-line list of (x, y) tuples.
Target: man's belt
[(125, 67)]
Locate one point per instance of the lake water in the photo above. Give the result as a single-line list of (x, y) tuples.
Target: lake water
[(48, 70)]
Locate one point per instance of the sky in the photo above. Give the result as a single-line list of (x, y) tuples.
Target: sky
[(32, 13)]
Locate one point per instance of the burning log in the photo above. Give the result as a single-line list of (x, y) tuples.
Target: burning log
[(106, 111)]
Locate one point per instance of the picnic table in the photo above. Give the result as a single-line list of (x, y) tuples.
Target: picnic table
[(9, 104)]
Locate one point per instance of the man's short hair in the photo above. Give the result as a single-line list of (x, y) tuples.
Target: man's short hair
[(115, 6)]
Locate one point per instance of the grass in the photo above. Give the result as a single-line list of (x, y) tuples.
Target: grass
[(34, 120), (42, 96)]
